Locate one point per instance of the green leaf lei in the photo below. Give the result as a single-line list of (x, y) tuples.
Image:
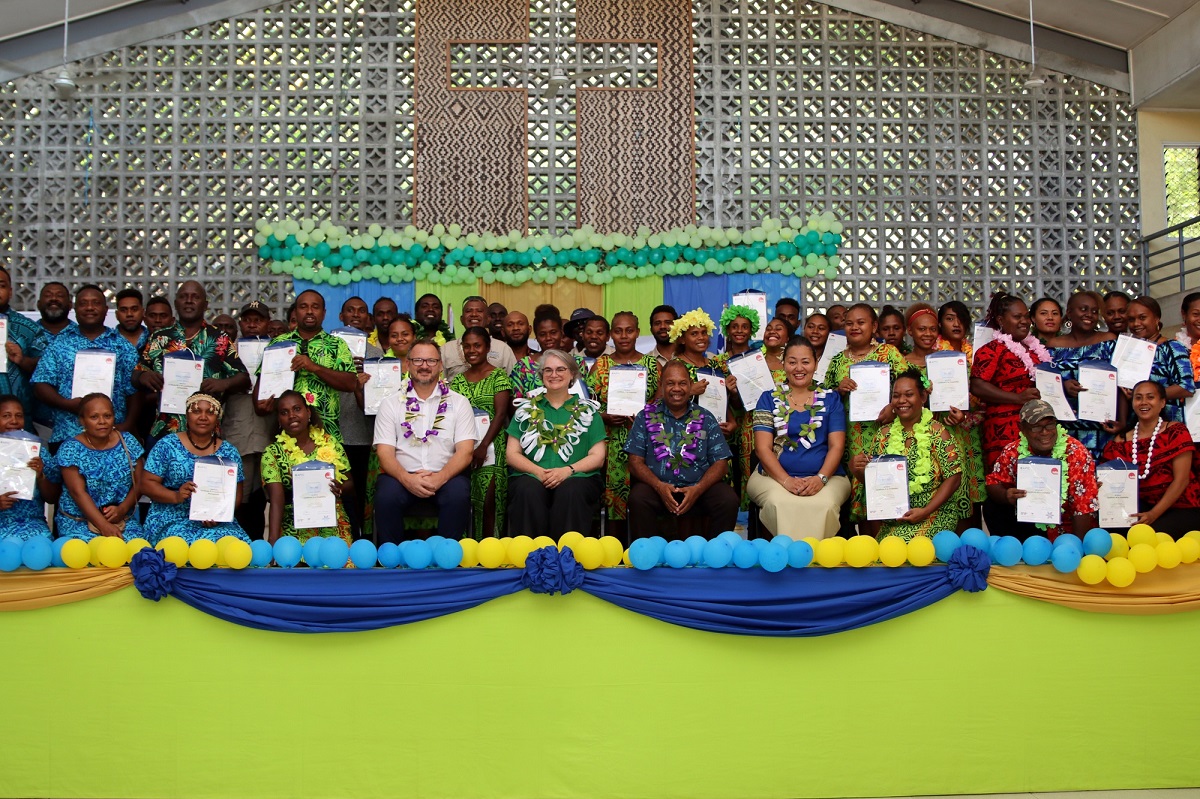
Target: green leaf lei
[(807, 434), (920, 455), (541, 432)]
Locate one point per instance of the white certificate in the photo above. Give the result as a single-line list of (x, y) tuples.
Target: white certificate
[(833, 345), (216, 490), (313, 502), (387, 378), (482, 423), (983, 334), (874, 390), (275, 372), (753, 376), (1191, 415), (756, 300), (17, 449), (950, 381), (94, 373), (3, 344), (886, 484), (182, 376), (1117, 493), (1133, 359), (1049, 384), (1098, 400), (626, 389), (355, 339), (715, 398), (250, 350), (1041, 480), (578, 388)]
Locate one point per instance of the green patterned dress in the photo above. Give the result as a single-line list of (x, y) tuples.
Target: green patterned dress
[(742, 440), (945, 465), (482, 396), (972, 490), (616, 463)]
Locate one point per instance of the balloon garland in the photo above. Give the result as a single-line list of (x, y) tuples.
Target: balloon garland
[(324, 252)]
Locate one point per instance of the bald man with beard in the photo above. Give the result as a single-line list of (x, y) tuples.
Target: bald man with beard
[(516, 334)]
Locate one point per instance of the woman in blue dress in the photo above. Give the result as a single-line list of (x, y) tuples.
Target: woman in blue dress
[(101, 470), (26, 518), (1084, 341), (167, 478), (1172, 368)]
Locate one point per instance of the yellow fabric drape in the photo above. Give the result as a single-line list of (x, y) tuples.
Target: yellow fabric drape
[(1160, 591), (26, 590)]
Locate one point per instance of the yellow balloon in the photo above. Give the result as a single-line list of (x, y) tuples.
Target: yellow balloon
[(1143, 557), (811, 541), (470, 553), (589, 553), (831, 551), (612, 550), (861, 550), (202, 554), (1169, 554), (94, 549), (223, 544), (569, 539), (1141, 534), (112, 552), (625, 558), (1194, 535), (518, 550), (76, 554), (1189, 549), (1120, 572), (135, 546), (174, 549), (237, 553), (921, 551), (1120, 547), (543, 541), (1161, 537), (1092, 569), (893, 551), (491, 553)]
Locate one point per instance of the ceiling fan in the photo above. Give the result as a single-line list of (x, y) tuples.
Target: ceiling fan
[(1039, 79), (66, 80), (559, 77)]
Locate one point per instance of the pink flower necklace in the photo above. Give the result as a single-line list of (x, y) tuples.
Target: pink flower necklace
[(1023, 349), (412, 408)]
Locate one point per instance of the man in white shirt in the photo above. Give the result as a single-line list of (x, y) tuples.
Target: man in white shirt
[(475, 314), (425, 438)]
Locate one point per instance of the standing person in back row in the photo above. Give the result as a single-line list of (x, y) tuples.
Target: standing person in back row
[(248, 432), (475, 314), (428, 316), (129, 318), (22, 331)]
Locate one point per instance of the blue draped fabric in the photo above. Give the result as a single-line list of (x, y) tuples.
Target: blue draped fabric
[(404, 294)]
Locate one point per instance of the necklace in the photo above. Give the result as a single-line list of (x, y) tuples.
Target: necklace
[(324, 450), (919, 455), (661, 439), (212, 441), (1149, 451), (782, 412), (412, 409), (540, 432), (1023, 350), (92, 443)]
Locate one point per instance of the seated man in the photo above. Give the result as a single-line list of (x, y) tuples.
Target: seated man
[(677, 459), (425, 438), (1042, 437)]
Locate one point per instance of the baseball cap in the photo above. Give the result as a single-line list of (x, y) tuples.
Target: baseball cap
[(256, 307), (1035, 411)]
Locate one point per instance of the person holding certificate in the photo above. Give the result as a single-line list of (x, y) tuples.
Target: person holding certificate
[(301, 441), (20, 333), (691, 334), (488, 389), (26, 518), (933, 460), (1046, 316), (1040, 436), (1084, 342), (859, 325), (555, 451), (738, 324), (242, 427), (816, 330), (102, 472), (1162, 454), (357, 427), (799, 437), (526, 375), (1171, 368), (170, 478), (83, 359)]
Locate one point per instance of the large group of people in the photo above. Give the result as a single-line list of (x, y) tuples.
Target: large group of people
[(519, 425)]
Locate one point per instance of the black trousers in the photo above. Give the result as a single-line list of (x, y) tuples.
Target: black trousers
[(719, 504), (535, 510), (356, 503)]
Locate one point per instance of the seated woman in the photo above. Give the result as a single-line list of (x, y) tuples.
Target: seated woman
[(555, 451), (934, 468), (26, 518), (102, 472), (300, 441), (1162, 453), (799, 437), (170, 466)]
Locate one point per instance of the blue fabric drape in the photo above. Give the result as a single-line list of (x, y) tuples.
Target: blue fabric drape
[(404, 294)]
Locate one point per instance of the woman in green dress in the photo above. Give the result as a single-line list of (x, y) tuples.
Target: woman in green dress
[(488, 390)]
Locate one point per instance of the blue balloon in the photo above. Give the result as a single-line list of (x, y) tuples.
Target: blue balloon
[(745, 555), (363, 554), (287, 551), (417, 555), (312, 551), (448, 554), (643, 554), (677, 554), (1066, 559), (1070, 540), (944, 544), (56, 547), (435, 541), (1097, 541), (760, 543), (774, 558), (731, 538), (696, 544), (976, 538), (783, 540), (37, 553), (717, 554), (10, 554), (389, 555), (334, 553), (660, 548), (1007, 551), (800, 554), (261, 553), (1036, 550)]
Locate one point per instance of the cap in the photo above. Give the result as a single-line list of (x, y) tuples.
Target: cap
[(578, 317), (256, 307), (1035, 411)]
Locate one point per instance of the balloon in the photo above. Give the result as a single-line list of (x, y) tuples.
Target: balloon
[(717, 554), (312, 552), (10, 554), (921, 551), (222, 544), (893, 551), (1143, 557), (75, 553), (944, 544), (202, 554), (93, 549), (418, 554), (543, 541), (1169, 554), (491, 553), (37, 553), (1007, 551), (56, 552), (135, 546), (745, 555), (238, 554), (1120, 572), (800, 554), (775, 557), (1066, 559), (696, 549), (1092, 569), (448, 554), (643, 554), (1141, 534), (1069, 540), (388, 555), (861, 550), (1097, 541), (1036, 550), (1189, 549), (590, 554), (287, 551), (112, 552), (1161, 537), (977, 538), (613, 550), (518, 550), (261, 553), (470, 550), (569, 539), (363, 554), (831, 551), (677, 554)]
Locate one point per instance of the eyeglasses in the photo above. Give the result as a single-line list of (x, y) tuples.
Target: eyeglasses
[(556, 370), (424, 361), (1047, 426)]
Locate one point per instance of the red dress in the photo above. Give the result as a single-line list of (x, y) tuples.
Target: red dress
[(1172, 439), (1001, 423)]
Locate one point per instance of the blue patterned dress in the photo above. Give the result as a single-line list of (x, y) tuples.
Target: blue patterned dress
[(1173, 367), (1066, 361), (27, 518), (109, 480), (172, 461)]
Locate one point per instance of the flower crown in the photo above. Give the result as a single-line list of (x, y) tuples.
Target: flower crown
[(694, 318), (734, 311)]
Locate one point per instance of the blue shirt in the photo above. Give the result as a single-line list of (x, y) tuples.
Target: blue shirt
[(710, 446), (801, 461), (22, 331), (56, 368), (43, 414)]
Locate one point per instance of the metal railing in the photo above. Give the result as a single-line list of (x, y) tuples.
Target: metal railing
[(1171, 255)]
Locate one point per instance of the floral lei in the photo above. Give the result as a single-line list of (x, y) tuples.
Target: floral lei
[(782, 411), (1023, 349), (655, 414), (920, 453), (1194, 358), (412, 409), (541, 432), (1059, 453), (324, 450)]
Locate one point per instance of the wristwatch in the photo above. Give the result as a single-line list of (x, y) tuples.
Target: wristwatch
[(824, 479)]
